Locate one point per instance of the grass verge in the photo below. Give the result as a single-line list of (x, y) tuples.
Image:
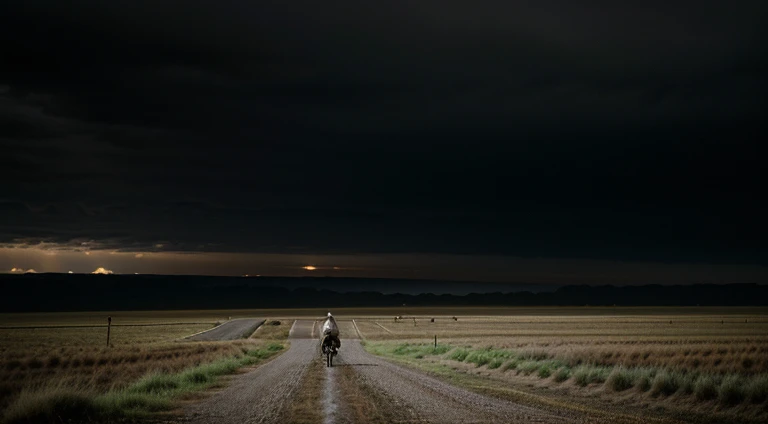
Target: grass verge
[(153, 393), (728, 390)]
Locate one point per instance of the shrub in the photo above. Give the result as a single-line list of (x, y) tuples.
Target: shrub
[(620, 379), (730, 391)]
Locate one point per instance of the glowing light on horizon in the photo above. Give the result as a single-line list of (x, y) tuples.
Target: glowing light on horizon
[(310, 268), (102, 270)]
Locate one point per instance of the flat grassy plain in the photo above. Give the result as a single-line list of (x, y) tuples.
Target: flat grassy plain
[(63, 357), (696, 364)]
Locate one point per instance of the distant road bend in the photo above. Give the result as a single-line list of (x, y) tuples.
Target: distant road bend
[(230, 330)]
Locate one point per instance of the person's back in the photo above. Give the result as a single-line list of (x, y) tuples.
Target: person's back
[(331, 333)]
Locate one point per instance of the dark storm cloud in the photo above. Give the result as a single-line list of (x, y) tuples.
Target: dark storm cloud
[(620, 130)]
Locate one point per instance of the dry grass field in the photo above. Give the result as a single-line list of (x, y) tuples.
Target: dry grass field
[(701, 364), (713, 364), (50, 355)]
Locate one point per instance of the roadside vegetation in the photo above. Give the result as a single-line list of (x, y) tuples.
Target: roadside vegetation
[(711, 367), (150, 394), (727, 389), (48, 373)]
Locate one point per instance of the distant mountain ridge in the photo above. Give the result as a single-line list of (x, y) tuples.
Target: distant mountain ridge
[(62, 292)]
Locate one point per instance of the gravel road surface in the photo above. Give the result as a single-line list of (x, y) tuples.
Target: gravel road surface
[(259, 396), (230, 330)]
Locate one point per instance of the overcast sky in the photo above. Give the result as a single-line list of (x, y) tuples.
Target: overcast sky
[(487, 140)]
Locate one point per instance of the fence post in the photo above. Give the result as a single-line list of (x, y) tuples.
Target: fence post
[(435, 341), (109, 328)]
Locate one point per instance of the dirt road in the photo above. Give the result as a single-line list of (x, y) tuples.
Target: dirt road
[(415, 397), (260, 395), (230, 330), (384, 390)]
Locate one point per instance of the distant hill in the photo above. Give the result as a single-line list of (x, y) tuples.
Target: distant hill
[(63, 292)]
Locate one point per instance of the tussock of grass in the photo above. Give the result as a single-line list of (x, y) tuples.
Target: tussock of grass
[(545, 371), (486, 356), (495, 363), (587, 374), (705, 387), (730, 391), (458, 354), (562, 374), (757, 389), (151, 393), (664, 383), (643, 379), (528, 367), (620, 379), (511, 365)]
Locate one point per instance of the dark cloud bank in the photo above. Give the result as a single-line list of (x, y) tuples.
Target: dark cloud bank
[(619, 131)]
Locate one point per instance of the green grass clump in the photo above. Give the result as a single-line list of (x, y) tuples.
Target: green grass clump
[(562, 374), (665, 383), (705, 387), (485, 356), (511, 365), (620, 379), (686, 381), (478, 358), (528, 367), (545, 371), (587, 374), (459, 354), (730, 391), (154, 392), (125, 404), (156, 383), (643, 379), (757, 389), (495, 363)]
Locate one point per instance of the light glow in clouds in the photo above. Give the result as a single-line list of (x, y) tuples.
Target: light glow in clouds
[(102, 270)]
